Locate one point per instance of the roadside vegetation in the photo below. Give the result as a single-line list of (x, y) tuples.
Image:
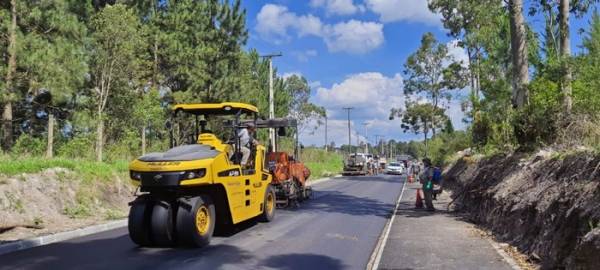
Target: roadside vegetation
[(321, 163), (99, 85), (521, 86)]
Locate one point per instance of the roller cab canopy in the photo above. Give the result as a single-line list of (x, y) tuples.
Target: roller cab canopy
[(225, 108), (275, 123)]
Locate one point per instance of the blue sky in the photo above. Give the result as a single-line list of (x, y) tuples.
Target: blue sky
[(352, 53)]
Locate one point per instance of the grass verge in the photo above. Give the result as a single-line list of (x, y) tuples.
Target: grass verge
[(11, 166), (321, 163)]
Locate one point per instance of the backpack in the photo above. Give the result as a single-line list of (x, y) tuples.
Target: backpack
[(437, 176)]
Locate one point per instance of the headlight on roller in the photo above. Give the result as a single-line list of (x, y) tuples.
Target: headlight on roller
[(193, 174), (135, 175)]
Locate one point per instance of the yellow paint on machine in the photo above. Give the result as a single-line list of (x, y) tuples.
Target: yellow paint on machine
[(245, 193)]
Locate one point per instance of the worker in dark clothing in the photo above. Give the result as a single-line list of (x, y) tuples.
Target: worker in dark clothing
[(425, 179)]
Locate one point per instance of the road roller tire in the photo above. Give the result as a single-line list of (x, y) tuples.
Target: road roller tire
[(195, 223), (139, 223), (162, 224), (268, 213)]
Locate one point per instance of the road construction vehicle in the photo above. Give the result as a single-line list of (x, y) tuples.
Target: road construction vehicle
[(199, 185), (289, 175), (356, 164)]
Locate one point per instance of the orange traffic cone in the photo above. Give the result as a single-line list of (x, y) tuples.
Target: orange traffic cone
[(419, 202)]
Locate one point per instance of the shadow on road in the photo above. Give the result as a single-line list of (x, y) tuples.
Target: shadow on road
[(302, 261), (338, 202), (121, 253), (377, 178)]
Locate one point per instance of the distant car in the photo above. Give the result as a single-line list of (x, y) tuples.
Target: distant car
[(395, 168)]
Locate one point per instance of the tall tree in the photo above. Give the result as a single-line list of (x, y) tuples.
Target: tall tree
[(520, 62), (565, 53), (420, 118), (116, 41), (8, 93), (467, 20), (52, 57), (428, 72), (301, 108)]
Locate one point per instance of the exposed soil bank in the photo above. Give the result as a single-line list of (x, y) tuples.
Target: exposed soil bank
[(546, 204), (56, 200)]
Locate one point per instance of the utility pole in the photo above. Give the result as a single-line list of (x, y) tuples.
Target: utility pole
[(366, 124), (349, 132), (378, 142), (382, 146), (326, 143), (271, 98)]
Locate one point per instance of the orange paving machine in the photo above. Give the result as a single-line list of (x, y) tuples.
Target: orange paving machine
[(289, 175)]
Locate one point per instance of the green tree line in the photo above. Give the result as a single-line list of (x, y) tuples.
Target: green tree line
[(94, 79), (526, 88)]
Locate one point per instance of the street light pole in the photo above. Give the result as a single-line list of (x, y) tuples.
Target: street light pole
[(271, 99), (326, 143), (366, 124), (349, 132)]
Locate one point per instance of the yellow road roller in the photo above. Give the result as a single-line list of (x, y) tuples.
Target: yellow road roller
[(199, 185)]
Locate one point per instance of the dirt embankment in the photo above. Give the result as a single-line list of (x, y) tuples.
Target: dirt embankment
[(58, 200), (547, 205)]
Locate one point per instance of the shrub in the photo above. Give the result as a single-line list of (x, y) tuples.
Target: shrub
[(77, 147), (29, 146)]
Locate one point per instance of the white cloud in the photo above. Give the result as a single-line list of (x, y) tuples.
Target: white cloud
[(311, 52), (403, 10), (275, 22), (370, 90), (337, 7), (372, 94), (290, 74), (314, 84), (457, 53), (354, 36), (303, 56)]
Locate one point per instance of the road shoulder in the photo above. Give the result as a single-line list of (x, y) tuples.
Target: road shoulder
[(436, 240)]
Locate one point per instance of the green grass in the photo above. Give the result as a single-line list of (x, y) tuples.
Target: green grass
[(87, 169), (321, 163)]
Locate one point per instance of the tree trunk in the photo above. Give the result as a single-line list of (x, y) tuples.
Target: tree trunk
[(143, 140), (155, 64), (49, 148), (518, 42), (565, 54), (425, 141), (7, 115), (99, 137)]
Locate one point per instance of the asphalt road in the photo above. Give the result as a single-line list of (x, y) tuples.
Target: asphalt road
[(337, 229)]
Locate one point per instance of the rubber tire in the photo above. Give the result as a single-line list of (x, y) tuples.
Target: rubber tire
[(268, 217), (138, 223), (187, 234), (162, 224)]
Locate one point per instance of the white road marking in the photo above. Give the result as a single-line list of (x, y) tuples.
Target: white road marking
[(378, 251)]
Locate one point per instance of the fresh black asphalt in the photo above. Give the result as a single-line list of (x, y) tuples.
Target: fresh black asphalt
[(337, 229)]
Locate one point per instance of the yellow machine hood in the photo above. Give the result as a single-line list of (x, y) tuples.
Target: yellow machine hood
[(182, 153)]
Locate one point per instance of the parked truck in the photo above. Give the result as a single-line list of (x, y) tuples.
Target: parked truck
[(356, 164)]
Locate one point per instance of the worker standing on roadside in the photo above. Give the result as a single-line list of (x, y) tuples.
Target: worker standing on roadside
[(426, 180)]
